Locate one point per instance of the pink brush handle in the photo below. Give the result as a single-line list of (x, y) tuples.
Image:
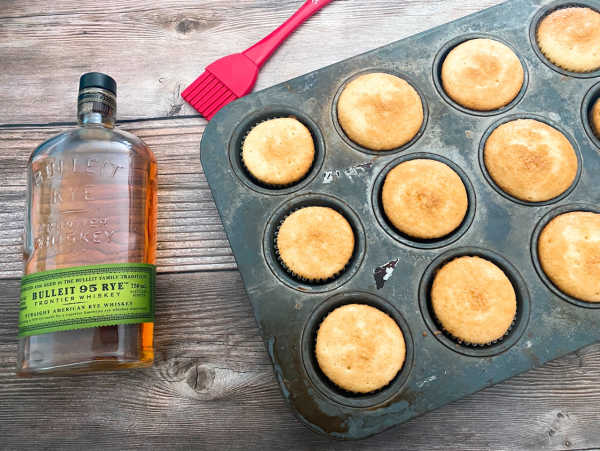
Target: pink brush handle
[(261, 51)]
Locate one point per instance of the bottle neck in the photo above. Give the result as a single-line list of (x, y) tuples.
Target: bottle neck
[(96, 107)]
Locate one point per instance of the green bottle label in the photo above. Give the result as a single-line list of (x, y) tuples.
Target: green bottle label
[(86, 296)]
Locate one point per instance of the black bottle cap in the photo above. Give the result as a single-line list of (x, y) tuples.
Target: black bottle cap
[(98, 80)]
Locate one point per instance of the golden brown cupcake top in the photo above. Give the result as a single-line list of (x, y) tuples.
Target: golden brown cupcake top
[(380, 111), (530, 160), (569, 252), (473, 300), (424, 198), (595, 117), (570, 38), (315, 242), (360, 348), (278, 151), (482, 74)]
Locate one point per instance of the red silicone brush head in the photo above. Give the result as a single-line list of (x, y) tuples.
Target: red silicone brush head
[(224, 81)]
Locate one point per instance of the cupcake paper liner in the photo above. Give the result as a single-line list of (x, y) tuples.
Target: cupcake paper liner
[(564, 6), (562, 66), (462, 342), (247, 171), (298, 277), (595, 127), (341, 389)]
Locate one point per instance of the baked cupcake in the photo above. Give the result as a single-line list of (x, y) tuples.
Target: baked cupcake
[(595, 117), (473, 300), (570, 38), (569, 252), (360, 348), (315, 243), (482, 74), (530, 160), (278, 152), (424, 199), (380, 111)]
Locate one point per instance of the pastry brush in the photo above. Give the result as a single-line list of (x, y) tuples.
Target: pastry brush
[(233, 76)]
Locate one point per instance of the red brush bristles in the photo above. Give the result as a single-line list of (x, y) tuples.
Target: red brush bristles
[(208, 95)]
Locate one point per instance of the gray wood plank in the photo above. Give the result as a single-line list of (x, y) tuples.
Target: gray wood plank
[(212, 387), (190, 233), (155, 49)]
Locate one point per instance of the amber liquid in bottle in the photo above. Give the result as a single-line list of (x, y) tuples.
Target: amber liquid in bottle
[(91, 200)]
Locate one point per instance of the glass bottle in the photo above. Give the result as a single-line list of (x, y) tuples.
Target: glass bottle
[(91, 214)]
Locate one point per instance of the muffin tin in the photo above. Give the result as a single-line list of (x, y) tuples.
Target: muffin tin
[(391, 271)]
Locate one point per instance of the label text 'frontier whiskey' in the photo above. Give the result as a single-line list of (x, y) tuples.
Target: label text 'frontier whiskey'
[(87, 294)]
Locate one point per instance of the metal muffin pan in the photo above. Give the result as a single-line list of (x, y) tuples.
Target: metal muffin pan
[(394, 272)]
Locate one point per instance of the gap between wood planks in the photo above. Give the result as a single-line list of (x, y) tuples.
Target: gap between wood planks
[(118, 122)]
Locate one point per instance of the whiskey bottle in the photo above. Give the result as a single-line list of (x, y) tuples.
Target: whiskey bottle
[(87, 294)]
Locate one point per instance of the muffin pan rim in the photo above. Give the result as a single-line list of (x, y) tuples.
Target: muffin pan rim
[(396, 235), (374, 69), (587, 104), (327, 387), (440, 57), (311, 199), (498, 189), (540, 14), (254, 118), (544, 220), (520, 322)]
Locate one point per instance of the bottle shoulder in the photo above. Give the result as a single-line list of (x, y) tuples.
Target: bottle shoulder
[(51, 144), (92, 139), (135, 141)]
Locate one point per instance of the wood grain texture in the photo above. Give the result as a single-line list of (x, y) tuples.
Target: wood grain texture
[(154, 49), (190, 233), (212, 387)]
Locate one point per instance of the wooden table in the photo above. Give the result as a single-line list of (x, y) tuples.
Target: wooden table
[(212, 385)]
